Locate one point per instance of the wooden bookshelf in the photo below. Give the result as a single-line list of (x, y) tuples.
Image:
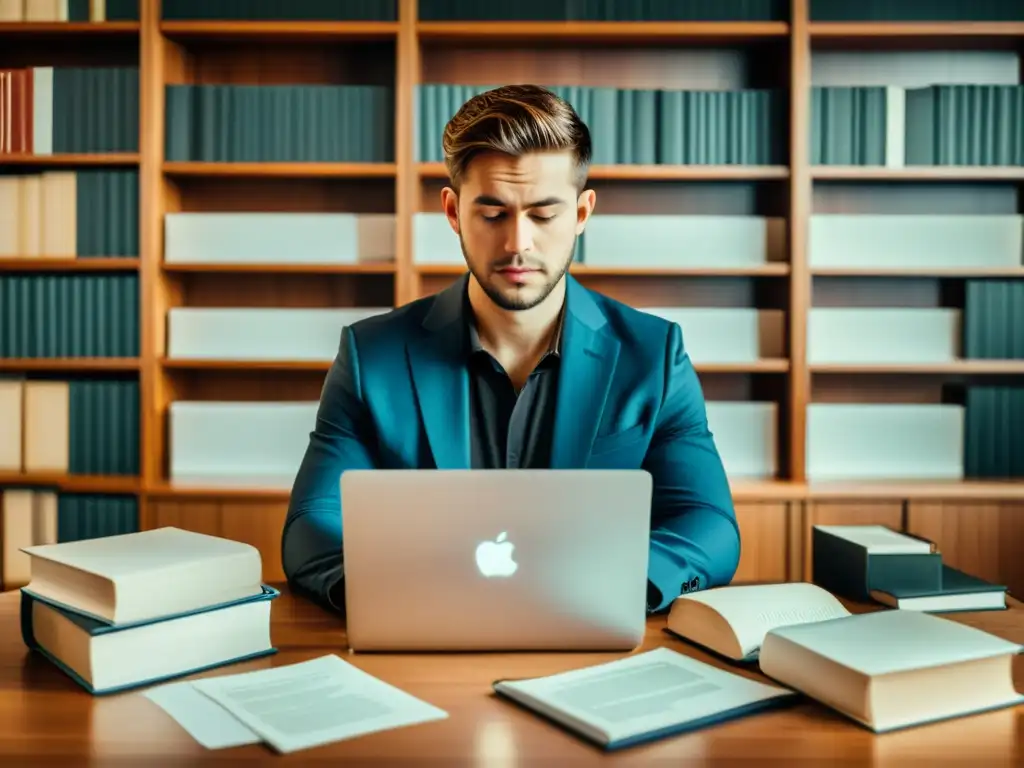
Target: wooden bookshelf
[(71, 160), (81, 264), (775, 511)]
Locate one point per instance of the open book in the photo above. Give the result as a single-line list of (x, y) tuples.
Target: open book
[(732, 621), (643, 697)]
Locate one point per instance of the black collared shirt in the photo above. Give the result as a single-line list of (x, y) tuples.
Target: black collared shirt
[(509, 429)]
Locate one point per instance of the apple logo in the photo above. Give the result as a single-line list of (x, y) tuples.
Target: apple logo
[(494, 558)]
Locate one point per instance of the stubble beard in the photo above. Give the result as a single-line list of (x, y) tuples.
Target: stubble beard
[(517, 301)]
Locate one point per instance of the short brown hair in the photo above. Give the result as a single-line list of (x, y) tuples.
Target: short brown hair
[(515, 120)]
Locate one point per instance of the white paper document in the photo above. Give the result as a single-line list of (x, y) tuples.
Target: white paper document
[(315, 702), (205, 720)]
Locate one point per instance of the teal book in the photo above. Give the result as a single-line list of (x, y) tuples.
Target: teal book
[(959, 591), (105, 658)]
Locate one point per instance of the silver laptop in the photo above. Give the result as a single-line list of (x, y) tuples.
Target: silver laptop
[(491, 560)]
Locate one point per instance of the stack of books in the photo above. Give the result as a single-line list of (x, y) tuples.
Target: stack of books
[(120, 612)]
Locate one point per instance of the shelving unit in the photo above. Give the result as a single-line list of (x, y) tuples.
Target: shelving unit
[(975, 520)]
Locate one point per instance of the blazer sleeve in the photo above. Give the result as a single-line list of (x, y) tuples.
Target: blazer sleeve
[(311, 541), (695, 540)]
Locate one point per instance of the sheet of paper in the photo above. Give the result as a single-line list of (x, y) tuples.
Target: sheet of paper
[(205, 720), (315, 702)]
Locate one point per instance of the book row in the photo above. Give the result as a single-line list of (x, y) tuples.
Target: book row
[(993, 320), (993, 433), (855, 241), (517, 10), (916, 10), (69, 214), (69, 315), (31, 516), (69, 10), (45, 110), (55, 110), (990, 328), (948, 124), (217, 442), (280, 123), (643, 126), (959, 124), (96, 315), (72, 427)]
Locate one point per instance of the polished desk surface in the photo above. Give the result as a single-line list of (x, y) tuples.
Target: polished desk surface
[(45, 717)]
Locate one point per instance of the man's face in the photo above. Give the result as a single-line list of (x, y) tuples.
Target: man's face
[(517, 221)]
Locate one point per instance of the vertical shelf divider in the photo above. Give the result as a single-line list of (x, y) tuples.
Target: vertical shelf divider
[(799, 213)]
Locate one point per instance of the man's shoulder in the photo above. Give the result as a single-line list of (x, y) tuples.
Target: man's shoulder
[(633, 324), (394, 324)]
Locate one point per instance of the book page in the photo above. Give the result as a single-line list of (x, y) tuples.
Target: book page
[(315, 702), (644, 693), (753, 610)]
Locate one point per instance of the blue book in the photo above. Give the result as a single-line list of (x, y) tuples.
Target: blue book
[(643, 697), (106, 658)]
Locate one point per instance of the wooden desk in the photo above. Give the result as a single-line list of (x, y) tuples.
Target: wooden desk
[(46, 717)]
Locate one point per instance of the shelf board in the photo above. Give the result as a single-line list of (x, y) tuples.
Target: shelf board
[(766, 489), (597, 32), (79, 264), (955, 367), (72, 483), (627, 172), (743, 489), (49, 29), (917, 173), (382, 268), (913, 489), (766, 365), (279, 489), (774, 269), (916, 28), (280, 31), (282, 170), (770, 365), (246, 488), (916, 35), (61, 364), (918, 272), (83, 158), (212, 364)]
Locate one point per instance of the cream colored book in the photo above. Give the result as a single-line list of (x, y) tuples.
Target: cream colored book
[(732, 621), (893, 669), (136, 577)]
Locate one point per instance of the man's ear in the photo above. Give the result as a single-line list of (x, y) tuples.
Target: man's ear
[(450, 206), (584, 208)]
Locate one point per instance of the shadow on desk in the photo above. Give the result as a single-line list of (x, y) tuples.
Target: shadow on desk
[(45, 715)]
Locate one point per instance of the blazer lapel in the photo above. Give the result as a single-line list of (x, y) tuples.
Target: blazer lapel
[(589, 355), (441, 379)]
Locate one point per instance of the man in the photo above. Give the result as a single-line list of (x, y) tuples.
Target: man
[(517, 365)]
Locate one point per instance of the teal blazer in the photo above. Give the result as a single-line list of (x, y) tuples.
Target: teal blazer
[(396, 397)]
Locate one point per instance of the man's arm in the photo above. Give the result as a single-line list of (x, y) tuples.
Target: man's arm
[(695, 541), (311, 542)]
